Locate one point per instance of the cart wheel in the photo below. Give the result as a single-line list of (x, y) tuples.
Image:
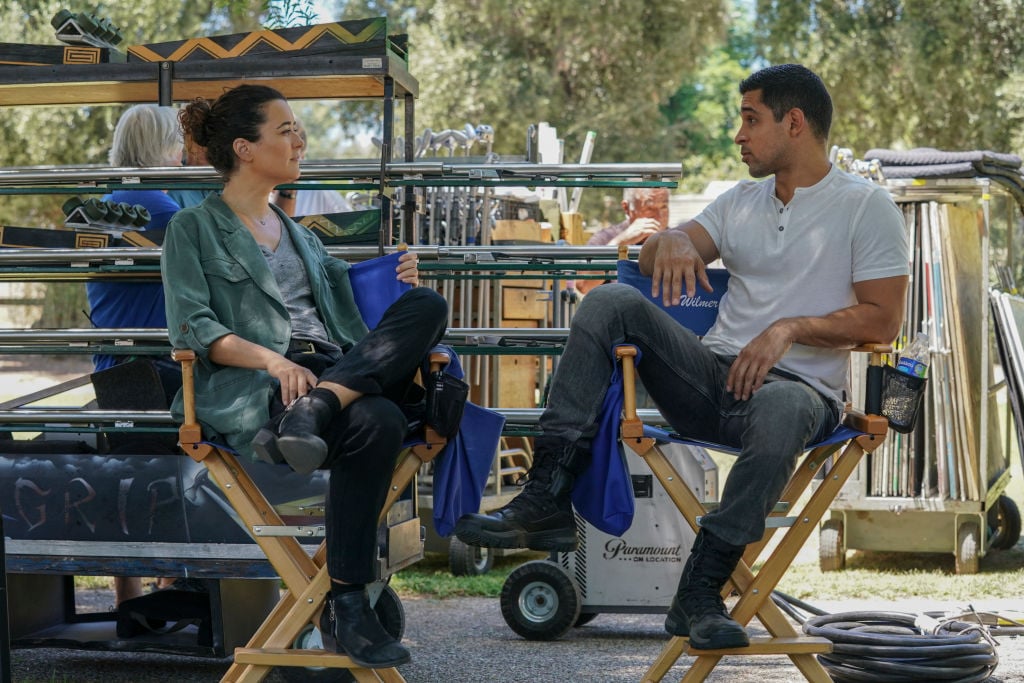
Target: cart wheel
[(60, 17), (540, 601), (1004, 523), (585, 618), (968, 541), (392, 617), (831, 551), (468, 560)]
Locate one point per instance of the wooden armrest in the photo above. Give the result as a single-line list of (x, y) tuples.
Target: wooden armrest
[(182, 355), (873, 348), (439, 359), (869, 424)]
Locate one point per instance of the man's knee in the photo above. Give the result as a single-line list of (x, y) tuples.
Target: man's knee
[(609, 300), (785, 413)]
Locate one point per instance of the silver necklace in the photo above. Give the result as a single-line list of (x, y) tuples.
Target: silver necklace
[(262, 221)]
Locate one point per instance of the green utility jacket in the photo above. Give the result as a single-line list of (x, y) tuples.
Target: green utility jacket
[(217, 282)]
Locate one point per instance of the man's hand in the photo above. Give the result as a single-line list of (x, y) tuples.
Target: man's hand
[(673, 262), (638, 231), (295, 380), (756, 359)]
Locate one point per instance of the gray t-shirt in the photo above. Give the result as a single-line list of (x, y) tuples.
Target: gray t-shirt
[(290, 274)]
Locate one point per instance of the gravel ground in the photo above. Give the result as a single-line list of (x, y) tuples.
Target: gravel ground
[(466, 639)]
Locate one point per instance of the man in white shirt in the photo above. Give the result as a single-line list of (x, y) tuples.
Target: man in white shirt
[(819, 263)]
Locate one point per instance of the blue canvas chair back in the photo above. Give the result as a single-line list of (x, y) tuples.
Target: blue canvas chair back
[(698, 314), (375, 286)]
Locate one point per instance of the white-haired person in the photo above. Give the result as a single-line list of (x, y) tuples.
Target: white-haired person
[(146, 136)]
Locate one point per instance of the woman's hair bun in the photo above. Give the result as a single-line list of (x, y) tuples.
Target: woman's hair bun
[(194, 119)]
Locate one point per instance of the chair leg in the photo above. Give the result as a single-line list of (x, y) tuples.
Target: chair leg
[(669, 654), (306, 581), (755, 590)]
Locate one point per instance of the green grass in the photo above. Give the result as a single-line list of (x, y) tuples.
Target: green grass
[(868, 575), (891, 576), (431, 577)]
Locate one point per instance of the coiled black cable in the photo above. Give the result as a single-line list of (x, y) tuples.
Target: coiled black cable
[(890, 647)]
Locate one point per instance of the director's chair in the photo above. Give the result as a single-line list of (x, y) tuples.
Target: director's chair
[(305, 578), (859, 433)]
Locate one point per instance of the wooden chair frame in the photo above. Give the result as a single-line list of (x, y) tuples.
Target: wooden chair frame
[(755, 590), (305, 578)]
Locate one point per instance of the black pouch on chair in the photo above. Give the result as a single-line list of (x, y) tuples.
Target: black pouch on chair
[(133, 385), (446, 398), (902, 396)]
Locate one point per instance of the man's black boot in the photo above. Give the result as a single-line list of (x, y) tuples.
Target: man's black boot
[(349, 626), (697, 609), (539, 518), (296, 440)]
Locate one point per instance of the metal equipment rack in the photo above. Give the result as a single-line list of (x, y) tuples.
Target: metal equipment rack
[(350, 60), (940, 488)]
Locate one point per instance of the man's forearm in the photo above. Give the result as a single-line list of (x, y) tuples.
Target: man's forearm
[(843, 329)]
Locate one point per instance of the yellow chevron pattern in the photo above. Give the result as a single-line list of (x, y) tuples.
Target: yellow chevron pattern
[(266, 37)]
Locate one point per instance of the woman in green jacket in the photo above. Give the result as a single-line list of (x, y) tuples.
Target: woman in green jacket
[(287, 369)]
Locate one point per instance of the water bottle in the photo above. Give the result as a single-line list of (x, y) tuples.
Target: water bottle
[(914, 359)]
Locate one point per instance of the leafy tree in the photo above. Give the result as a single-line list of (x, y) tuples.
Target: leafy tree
[(909, 73), (608, 69), (706, 109)]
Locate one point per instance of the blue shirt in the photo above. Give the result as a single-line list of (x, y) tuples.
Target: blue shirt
[(187, 198), (131, 304)]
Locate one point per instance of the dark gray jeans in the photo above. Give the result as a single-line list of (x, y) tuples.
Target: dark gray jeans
[(687, 383)]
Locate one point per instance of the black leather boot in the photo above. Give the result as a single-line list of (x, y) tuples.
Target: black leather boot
[(349, 626), (539, 518), (296, 440), (697, 609)]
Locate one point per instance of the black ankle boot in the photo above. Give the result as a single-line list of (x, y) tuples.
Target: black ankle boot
[(697, 609), (539, 518), (297, 437), (350, 626)]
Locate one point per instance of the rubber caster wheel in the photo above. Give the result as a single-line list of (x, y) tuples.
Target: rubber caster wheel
[(540, 601), (968, 545), (468, 560), (1004, 523), (831, 546), (392, 617)]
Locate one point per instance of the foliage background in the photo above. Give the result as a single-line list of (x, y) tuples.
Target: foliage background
[(655, 80)]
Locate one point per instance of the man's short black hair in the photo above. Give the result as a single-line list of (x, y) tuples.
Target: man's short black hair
[(793, 86)]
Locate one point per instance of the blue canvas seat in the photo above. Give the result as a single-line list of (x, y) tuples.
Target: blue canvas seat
[(461, 467), (838, 455)]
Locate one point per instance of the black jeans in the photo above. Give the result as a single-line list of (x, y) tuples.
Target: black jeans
[(365, 438)]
